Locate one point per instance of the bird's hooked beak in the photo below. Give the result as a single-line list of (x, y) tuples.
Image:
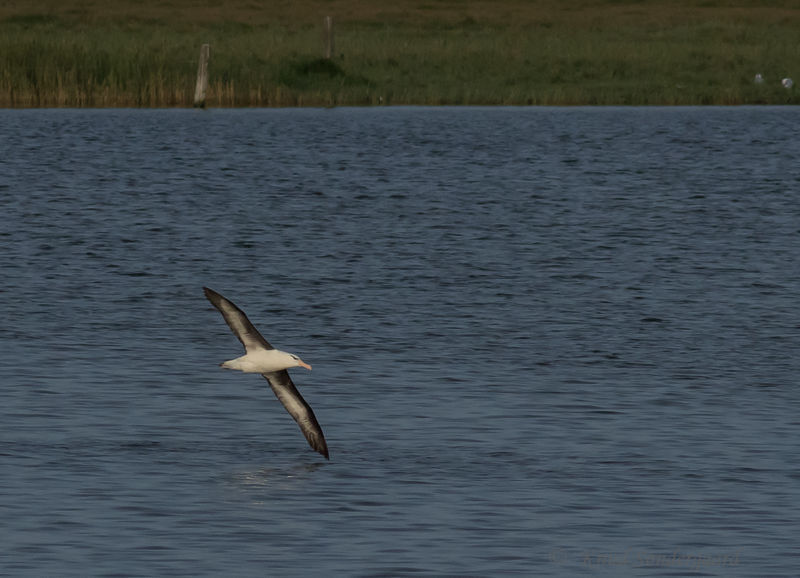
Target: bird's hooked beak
[(302, 363)]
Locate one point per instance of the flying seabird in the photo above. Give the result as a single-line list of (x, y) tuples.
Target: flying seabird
[(261, 357)]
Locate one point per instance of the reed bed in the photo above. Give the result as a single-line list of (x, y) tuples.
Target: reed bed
[(470, 53)]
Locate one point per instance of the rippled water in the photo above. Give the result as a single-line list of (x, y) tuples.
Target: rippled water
[(550, 342)]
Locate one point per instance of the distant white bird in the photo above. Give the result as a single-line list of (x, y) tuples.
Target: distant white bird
[(759, 79), (261, 357), (787, 83)]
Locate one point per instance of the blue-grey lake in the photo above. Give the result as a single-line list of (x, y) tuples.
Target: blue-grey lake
[(545, 341)]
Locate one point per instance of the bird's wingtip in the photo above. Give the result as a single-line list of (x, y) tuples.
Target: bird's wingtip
[(211, 295), (322, 449)]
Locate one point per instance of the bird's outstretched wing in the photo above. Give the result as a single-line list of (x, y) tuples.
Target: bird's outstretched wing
[(287, 393), (238, 322)]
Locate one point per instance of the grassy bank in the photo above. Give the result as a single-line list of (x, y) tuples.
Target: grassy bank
[(144, 53)]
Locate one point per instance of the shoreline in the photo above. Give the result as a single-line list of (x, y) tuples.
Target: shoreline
[(504, 53), (397, 107)]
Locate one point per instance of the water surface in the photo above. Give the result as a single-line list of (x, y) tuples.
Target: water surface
[(551, 342)]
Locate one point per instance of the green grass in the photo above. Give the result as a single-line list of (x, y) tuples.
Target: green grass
[(437, 52)]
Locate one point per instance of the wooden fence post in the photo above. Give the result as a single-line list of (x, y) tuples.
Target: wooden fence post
[(328, 37), (202, 77)]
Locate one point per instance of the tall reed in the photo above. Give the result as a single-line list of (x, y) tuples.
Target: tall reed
[(55, 60)]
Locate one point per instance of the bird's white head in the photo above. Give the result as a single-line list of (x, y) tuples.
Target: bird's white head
[(297, 362)]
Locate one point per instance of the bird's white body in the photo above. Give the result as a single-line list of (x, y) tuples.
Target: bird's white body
[(264, 361)]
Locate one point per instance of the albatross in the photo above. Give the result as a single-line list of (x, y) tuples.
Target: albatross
[(261, 357)]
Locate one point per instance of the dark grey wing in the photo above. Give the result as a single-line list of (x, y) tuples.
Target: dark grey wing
[(287, 393), (237, 321)]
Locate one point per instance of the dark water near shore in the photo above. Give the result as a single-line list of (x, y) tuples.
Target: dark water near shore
[(550, 342)]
